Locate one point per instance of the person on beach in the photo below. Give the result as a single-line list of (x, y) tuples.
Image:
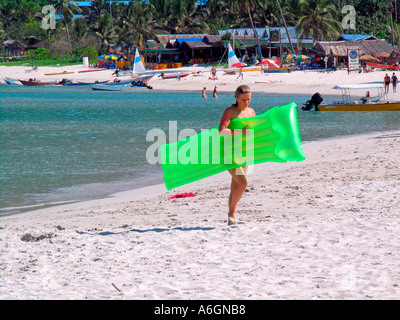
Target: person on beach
[(240, 73), (215, 92), (387, 83), (213, 73), (203, 92), (394, 81), (240, 109)]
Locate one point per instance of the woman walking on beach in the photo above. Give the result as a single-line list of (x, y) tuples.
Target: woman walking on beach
[(240, 109), (394, 82)]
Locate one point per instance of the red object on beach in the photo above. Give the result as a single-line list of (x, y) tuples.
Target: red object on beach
[(183, 195), (274, 63), (174, 75), (239, 64)]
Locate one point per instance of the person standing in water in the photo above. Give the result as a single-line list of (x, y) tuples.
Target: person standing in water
[(203, 92), (215, 92), (240, 109)]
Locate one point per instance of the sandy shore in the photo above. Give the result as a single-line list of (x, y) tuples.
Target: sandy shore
[(324, 228), (298, 82)]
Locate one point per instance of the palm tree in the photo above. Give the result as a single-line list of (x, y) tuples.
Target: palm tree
[(270, 14), (186, 18), (7, 13), (391, 9), (284, 22), (104, 30), (163, 12), (318, 19), (246, 6), (218, 15), (67, 10), (141, 23)]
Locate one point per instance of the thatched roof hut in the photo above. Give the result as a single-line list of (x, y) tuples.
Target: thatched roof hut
[(13, 47), (212, 39), (394, 57), (374, 48)]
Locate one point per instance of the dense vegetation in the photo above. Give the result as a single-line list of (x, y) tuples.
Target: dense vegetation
[(142, 20)]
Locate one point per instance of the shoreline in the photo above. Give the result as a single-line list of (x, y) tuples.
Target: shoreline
[(296, 82), (317, 229), (324, 228), (26, 209)]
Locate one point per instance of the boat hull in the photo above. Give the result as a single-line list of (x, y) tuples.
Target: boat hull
[(106, 87), (39, 84), (175, 76), (128, 82), (361, 107), (84, 83), (12, 82)]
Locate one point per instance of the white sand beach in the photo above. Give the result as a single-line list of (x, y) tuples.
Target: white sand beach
[(324, 228), (298, 82)]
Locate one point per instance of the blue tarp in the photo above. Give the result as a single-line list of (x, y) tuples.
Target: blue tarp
[(181, 40), (81, 3), (355, 37)]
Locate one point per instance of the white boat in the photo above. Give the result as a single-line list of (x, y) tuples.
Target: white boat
[(118, 82), (104, 87), (13, 82), (116, 87)]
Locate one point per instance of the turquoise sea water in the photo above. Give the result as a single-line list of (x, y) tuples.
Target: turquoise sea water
[(61, 144)]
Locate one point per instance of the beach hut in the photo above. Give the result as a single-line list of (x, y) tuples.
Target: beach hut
[(340, 49), (394, 57), (14, 47)]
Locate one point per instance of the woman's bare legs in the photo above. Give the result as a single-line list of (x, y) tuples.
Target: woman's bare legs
[(238, 185)]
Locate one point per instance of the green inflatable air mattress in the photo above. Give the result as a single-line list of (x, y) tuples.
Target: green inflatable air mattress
[(274, 137)]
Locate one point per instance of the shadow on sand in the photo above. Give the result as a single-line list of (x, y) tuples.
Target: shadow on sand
[(157, 230)]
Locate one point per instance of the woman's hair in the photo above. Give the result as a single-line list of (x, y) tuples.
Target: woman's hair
[(240, 90)]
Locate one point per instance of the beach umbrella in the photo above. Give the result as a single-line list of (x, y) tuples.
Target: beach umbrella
[(303, 57), (269, 62), (383, 55), (109, 56), (239, 64), (369, 58), (290, 57)]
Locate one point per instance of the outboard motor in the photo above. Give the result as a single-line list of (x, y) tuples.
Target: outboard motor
[(315, 101)]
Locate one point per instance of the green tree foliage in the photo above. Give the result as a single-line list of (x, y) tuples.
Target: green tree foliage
[(142, 20), (318, 19)]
